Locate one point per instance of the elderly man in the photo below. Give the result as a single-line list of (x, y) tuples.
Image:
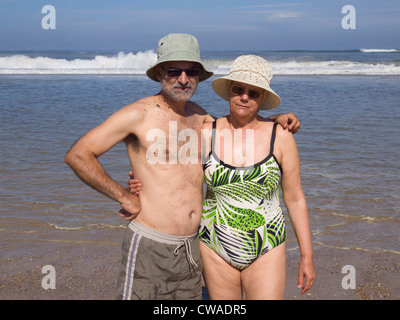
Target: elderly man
[(161, 258)]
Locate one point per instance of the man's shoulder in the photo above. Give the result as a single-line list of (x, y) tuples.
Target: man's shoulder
[(140, 107), (141, 103), (198, 110)]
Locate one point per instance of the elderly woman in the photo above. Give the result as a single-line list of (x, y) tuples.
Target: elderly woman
[(242, 228)]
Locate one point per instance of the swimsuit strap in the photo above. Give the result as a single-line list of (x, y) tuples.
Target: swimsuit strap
[(213, 134), (273, 138)]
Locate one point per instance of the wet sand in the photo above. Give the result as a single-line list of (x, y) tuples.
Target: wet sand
[(89, 272), (350, 185)]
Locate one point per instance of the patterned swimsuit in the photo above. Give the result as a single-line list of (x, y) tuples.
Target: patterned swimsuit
[(242, 218)]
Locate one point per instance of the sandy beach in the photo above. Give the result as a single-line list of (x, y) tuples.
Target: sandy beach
[(49, 217), (89, 272)]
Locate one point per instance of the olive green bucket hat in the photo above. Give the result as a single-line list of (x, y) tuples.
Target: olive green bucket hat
[(178, 47)]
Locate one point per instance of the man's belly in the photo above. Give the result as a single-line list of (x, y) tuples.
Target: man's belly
[(171, 196), (176, 215)]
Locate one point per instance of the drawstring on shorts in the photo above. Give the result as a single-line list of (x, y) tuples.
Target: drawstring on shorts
[(186, 243)]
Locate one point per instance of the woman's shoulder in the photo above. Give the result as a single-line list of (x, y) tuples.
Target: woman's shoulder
[(265, 123), (283, 133), (284, 140)]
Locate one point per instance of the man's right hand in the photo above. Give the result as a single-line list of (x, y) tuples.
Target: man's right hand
[(130, 209)]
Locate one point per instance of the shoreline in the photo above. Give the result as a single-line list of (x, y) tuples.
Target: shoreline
[(89, 272)]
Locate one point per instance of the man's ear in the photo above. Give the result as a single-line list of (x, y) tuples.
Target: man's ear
[(158, 73)]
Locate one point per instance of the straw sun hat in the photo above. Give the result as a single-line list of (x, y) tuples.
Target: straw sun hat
[(252, 70), (178, 47)]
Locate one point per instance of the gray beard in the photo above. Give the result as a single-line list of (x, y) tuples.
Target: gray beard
[(177, 96)]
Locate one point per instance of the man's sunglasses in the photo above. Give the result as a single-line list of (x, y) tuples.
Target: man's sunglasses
[(239, 91), (175, 73)]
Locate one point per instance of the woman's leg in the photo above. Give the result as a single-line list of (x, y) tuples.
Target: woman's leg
[(265, 278), (222, 280)]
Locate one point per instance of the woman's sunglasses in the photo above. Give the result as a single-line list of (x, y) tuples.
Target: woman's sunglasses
[(239, 91)]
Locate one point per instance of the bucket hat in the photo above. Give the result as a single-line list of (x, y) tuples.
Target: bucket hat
[(178, 47), (253, 70)]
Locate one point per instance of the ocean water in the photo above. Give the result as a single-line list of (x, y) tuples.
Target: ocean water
[(354, 62), (347, 101)]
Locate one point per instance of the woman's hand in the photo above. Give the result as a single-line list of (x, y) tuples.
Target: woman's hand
[(130, 210), (133, 185), (306, 274)]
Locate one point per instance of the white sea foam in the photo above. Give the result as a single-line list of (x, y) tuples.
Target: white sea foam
[(379, 50), (138, 63), (333, 68), (122, 63), (294, 67)]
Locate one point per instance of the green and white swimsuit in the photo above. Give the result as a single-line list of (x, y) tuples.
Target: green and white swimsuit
[(242, 218)]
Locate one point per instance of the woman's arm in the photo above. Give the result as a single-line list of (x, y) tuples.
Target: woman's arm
[(296, 205)]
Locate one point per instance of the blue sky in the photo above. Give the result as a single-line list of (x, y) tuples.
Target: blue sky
[(218, 24)]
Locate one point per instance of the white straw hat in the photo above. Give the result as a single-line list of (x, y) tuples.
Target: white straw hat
[(178, 47), (252, 70)]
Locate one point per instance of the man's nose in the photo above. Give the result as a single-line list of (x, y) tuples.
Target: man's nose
[(183, 78)]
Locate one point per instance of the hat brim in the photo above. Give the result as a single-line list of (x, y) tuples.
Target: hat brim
[(221, 87), (179, 56)]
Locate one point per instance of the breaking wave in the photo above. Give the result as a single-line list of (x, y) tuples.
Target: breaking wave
[(138, 63), (379, 50), (122, 63)]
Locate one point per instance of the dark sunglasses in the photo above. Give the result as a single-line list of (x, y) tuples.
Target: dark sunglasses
[(239, 91), (175, 73)]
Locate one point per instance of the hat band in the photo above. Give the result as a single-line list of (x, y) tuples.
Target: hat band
[(251, 71)]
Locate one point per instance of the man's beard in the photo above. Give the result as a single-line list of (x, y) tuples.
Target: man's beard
[(178, 95)]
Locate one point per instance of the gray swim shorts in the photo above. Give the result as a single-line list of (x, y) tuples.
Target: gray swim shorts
[(159, 266)]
